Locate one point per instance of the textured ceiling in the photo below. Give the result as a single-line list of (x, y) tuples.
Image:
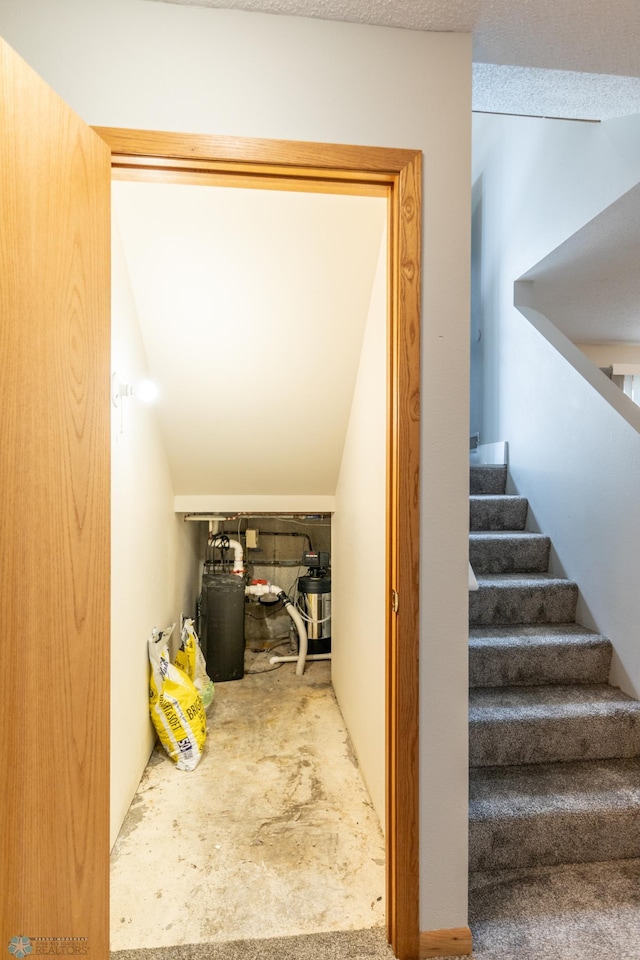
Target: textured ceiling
[(577, 36), (589, 286), (533, 91)]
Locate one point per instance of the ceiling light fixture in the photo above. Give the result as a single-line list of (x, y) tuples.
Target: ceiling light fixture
[(119, 390), (146, 391)]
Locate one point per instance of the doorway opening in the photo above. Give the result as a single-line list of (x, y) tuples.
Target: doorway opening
[(262, 316), (395, 175)]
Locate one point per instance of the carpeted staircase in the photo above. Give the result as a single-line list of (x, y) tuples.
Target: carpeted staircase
[(554, 750)]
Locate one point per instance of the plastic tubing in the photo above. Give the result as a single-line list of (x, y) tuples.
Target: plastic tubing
[(258, 590), (311, 619), (302, 634)]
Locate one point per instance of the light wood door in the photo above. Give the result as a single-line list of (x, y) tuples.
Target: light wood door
[(54, 520)]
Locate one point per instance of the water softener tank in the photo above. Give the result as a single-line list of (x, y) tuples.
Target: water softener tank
[(222, 626), (315, 604)]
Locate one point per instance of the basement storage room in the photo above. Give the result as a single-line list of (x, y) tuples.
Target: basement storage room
[(249, 464)]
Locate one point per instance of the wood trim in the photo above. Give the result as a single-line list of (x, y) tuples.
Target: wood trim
[(252, 155), (403, 530), (452, 942), (124, 165), (333, 167), (215, 178)]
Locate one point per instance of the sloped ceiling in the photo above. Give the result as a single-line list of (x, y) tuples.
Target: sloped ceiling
[(589, 286), (252, 306)]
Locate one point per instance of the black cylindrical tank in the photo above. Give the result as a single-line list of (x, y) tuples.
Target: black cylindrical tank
[(315, 603), (222, 626)]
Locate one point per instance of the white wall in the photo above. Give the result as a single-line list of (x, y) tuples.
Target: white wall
[(574, 448), (358, 548), (536, 182), (577, 458), (170, 67), (154, 553)]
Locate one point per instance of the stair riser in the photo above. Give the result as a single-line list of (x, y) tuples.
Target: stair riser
[(516, 555), (487, 479), (499, 742), (509, 513), (532, 841), (492, 605), (527, 665)]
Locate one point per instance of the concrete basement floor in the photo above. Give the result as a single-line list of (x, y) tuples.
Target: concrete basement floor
[(273, 834)]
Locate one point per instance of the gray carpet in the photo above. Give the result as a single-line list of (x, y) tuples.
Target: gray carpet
[(522, 598), (541, 815), (352, 944), (537, 654), (509, 551), (584, 911), (549, 724), (497, 512)]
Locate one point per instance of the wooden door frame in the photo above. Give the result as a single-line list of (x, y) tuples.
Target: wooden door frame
[(396, 174)]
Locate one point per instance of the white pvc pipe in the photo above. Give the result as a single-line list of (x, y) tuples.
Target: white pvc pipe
[(310, 656), (238, 555), (259, 590)]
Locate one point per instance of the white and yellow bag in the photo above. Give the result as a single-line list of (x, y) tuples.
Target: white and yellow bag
[(190, 658), (176, 706)]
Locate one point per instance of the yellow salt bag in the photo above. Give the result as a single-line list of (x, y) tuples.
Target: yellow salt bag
[(176, 706), (190, 658)]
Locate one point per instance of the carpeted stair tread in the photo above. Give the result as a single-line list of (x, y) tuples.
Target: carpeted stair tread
[(548, 724), (585, 911), (512, 702), (499, 512), (554, 813), (520, 598), (487, 478), (511, 792), (529, 654), (508, 551)]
